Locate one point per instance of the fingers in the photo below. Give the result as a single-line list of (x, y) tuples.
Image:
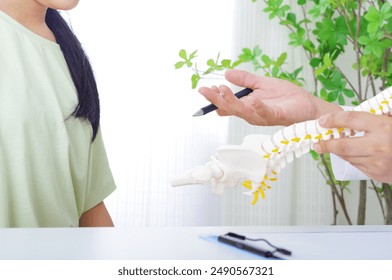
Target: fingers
[(214, 95), (345, 147), (360, 121), (247, 108), (375, 142), (374, 167), (224, 99), (232, 104)]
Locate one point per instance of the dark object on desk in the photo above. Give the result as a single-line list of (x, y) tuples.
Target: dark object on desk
[(212, 107), (251, 248)]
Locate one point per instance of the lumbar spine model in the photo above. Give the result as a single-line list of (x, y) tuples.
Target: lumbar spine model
[(261, 157)]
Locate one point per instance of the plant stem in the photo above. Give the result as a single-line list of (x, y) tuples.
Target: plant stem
[(351, 85), (386, 62), (388, 201), (362, 203), (335, 209), (356, 49), (372, 84), (334, 189), (379, 199)]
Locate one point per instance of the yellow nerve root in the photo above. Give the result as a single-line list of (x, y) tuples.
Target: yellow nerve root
[(248, 184), (255, 198)]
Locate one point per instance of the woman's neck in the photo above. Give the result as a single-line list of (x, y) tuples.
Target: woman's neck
[(30, 14)]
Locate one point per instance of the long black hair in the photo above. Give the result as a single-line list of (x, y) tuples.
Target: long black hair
[(80, 69)]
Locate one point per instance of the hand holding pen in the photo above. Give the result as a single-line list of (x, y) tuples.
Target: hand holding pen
[(210, 108), (272, 102)]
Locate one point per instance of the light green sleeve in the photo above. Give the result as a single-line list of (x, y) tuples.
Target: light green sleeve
[(100, 182)]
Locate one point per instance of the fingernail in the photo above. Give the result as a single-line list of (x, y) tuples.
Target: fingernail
[(322, 120)]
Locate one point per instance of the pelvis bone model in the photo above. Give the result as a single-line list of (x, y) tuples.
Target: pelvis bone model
[(259, 159)]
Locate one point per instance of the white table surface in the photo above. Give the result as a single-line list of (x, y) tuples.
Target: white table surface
[(185, 243)]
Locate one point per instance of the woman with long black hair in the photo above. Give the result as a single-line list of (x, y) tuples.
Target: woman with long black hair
[(54, 171)]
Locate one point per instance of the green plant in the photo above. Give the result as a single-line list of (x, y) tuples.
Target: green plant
[(326, 30)]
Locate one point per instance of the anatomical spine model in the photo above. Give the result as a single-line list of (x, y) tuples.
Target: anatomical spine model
[(260, 158)]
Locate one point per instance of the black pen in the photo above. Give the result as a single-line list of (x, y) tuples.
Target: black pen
[(246, 247), (212, 107)]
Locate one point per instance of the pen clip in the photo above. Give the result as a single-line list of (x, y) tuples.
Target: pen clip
[(243, 237), (235, 235)]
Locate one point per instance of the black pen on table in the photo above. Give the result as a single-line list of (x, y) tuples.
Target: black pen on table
[(246, 247), (250, 248), (212, 107)]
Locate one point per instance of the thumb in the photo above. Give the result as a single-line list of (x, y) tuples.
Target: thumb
[(242, 78)]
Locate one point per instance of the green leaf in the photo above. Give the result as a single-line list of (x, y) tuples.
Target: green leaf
[(373, 27), (328, 83), (308, 45), (378, 50), (348, 93), (226, 63), (388, 26), (355, 103), (281, 59), (364, 40), (314, 62), (372, 14), (320, 70), (267, 61), (297, 71), (275, 71), (247, 51), (246, 55), (182, 54), (211, 62), (297, 38), (327, 60), (324, 94), (257, 51), (291, 17), (237, 63), (285, 22), (315, 12), (179, 64), (314, 155), (384, 11), (341, 100), (332, 32), (192, 55), (195, 80), (208, 71), (375, 49), (332, 96)]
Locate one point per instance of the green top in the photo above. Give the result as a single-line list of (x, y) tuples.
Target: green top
[(50, 171)]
